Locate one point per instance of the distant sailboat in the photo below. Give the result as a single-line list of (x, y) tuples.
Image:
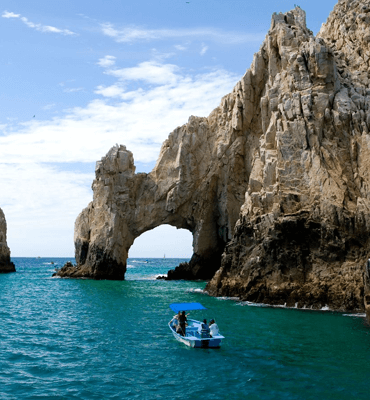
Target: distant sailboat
[(164, 255)]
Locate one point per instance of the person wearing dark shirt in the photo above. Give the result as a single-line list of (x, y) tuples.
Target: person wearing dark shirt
[(182, 323), (204, 333)]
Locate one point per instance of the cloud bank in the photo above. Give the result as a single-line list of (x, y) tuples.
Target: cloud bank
[(139, 110)]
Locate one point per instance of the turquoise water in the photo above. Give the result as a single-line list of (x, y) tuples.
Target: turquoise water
[(83, 339)]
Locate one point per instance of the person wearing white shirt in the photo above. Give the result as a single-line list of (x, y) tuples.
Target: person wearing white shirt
[(213, 327)]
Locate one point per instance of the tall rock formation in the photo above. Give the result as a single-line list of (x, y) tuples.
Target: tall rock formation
[(303, 233), (5, 264), (274, 184)]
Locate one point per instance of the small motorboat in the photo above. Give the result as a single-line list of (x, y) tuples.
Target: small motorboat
[(195, 336)]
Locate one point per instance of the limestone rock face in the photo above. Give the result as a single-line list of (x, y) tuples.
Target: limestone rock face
[(303, 233), (5, 264), (273, 184)]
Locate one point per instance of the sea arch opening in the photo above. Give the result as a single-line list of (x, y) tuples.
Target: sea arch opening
[(158, 250), (164, 241)]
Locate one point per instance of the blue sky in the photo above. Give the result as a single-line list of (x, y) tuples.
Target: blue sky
[(80, 76)]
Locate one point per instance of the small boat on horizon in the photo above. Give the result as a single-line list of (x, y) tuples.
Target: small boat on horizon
[(195, 336)]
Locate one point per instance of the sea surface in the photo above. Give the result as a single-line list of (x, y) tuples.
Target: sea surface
[(84, 339)]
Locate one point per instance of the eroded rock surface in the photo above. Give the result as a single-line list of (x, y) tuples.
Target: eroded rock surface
[(303, 234), (5, 264), (274, 184)]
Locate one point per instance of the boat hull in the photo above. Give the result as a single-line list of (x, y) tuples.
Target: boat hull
[(193, 339)]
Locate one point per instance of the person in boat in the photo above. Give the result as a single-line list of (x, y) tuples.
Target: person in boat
[(213, 327), (175, 321), (182, 323), (204, 329)]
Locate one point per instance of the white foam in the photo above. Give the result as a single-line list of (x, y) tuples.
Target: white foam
[(304, 308), (196, 290), (228, 298), (251, 304), (358, 315)]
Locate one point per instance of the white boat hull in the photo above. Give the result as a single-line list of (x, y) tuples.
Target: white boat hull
[(193, 337)]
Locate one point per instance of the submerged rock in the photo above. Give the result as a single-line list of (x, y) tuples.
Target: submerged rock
[(5, 264), (274, 184)]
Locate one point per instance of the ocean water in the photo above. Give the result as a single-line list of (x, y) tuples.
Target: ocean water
[(84, 339)]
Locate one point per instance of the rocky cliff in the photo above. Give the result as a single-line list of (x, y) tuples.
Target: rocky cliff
[(5, 264), (303, 233), (274, 184)]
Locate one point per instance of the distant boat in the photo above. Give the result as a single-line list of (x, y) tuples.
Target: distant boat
[(164, 255), (194, 336)]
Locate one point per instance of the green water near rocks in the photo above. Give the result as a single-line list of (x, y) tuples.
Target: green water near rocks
[(83, 339)]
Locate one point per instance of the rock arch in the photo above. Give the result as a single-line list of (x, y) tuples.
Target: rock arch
[(198, 184)]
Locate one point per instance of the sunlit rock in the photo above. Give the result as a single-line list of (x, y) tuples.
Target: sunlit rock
[(303, 232), (5, 264)]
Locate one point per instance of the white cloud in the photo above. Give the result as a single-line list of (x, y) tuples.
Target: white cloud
[(107, 61), (48, 106), (180, 47), (73, 90), (131, 34), (115, 90), (7, 14), (204, 50), (151, 72), (38, 27), (140, 118)]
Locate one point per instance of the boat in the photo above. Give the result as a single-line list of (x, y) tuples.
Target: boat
[(194, 335)]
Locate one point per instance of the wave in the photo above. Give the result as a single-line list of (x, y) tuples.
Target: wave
[(357, 315), (143, 278), (326, 308), (195, 290), (228, 298)]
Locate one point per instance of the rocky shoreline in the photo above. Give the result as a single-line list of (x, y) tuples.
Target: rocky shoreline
[(297, 261)]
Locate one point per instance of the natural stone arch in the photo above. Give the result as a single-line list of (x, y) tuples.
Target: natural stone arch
[(198, 184)]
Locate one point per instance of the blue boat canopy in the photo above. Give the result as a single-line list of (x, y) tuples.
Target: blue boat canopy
[(176, 307)]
